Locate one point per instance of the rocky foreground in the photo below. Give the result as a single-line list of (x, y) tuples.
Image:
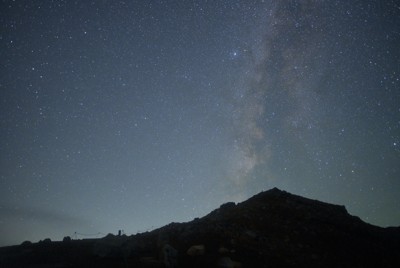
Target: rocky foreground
[(271, 229)]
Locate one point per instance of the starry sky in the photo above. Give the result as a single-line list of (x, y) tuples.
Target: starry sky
[(128, 115)]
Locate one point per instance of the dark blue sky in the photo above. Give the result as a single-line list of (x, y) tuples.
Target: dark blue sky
[(132, 114)]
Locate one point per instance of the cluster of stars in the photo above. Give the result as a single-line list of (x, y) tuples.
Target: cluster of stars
[(126, 115)]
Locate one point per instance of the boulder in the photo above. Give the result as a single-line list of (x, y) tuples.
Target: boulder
[(46, 241), (196, 250), (67, 239), (223, 250), (26, 243), (169, 256), (227, 262)]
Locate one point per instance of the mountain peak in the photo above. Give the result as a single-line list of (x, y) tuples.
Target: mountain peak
[(273, 228)]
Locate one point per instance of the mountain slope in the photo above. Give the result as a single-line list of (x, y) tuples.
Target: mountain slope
[(271, 229)]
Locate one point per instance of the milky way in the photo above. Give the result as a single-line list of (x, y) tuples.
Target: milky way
[(130, 115)]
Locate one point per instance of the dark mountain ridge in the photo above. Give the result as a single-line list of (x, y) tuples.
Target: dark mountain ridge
[(271, 229)]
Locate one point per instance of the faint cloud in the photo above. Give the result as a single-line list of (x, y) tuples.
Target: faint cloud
[(18, 224)]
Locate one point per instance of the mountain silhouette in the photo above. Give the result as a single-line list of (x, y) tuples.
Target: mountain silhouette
[(271, 229)]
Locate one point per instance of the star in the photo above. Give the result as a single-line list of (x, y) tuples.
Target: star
[(104, 107)]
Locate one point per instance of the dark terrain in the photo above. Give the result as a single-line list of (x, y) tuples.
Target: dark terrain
[(271, 229)]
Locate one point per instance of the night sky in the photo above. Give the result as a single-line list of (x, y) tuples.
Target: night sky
[(133, 114)]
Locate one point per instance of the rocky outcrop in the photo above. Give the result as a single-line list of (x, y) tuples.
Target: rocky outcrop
[(196, 250)]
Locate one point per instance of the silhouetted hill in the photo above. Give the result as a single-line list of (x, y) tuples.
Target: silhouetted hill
[(271, 229)]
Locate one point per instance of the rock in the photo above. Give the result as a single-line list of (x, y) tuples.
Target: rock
[(227, 262), (26, 243), (67, 239), (223, 250), (196, 250), (46, 241), (110, 236), (169, 256), (250, 234)]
